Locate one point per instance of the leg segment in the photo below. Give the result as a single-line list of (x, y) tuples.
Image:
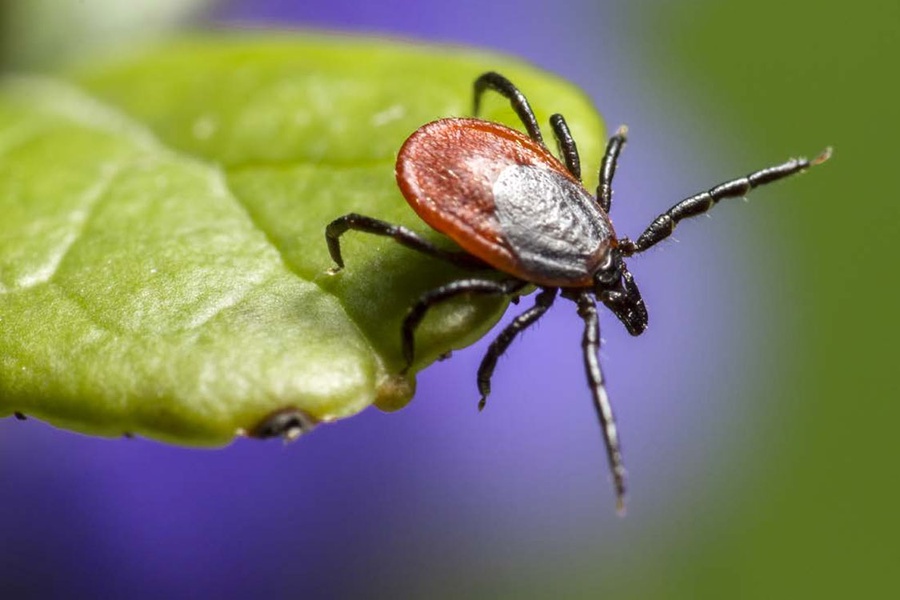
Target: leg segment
[(505, 88), (663, 226), (418, 310), (608, 167), (402, 235), (566, 145), (587, 310), (528, 318)]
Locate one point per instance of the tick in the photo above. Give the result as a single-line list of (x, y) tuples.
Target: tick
[(512, 206)]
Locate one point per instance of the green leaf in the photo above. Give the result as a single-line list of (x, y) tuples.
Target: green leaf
[(163, 269)]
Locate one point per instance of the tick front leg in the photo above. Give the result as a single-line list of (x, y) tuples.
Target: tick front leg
[(483, 287), (590, 344), (400, 234), (525, 320), (608, 167), (504, 87), (663, 226), (566, 144)]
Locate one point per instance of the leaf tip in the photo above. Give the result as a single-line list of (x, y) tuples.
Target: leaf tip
[(394, 392)]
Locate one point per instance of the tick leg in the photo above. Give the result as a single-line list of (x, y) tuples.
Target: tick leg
[(404, 236), (587, 310), (566, 144), (505, 88), (663, 226), (418, 310), (608, 167), (525, 320)]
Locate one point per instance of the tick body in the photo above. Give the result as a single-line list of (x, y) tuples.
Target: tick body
[(512, 206), (468, 178)]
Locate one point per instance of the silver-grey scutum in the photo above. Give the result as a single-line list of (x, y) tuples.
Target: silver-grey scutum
[(554, 226)]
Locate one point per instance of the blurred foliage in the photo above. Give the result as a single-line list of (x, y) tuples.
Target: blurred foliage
[(38, 34), (818, 518)]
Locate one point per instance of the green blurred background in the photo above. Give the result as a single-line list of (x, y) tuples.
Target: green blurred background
[(821, 518), (810, 505)]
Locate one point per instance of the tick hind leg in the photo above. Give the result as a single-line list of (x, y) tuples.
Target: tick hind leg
[(504, 87), (663, 226), (402, 235), (525, 320), (590, 344), (482, 287)]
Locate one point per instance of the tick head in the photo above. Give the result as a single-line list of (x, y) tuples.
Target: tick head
[(614, 286)]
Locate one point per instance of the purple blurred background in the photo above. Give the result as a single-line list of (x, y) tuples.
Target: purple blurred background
[(438, 499)]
